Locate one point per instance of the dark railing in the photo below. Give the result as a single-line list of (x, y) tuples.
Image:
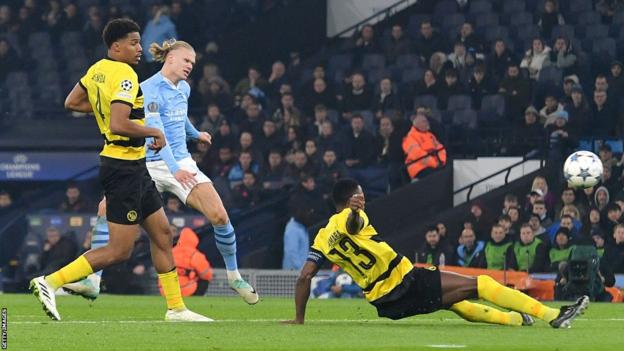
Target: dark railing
[(506, 171)]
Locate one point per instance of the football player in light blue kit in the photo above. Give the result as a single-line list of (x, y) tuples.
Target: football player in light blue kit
[(166, 103), (172, 168)]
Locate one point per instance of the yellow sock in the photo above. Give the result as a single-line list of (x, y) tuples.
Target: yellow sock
[(490, 290), (475, 312), (171, 288), (74, 271)]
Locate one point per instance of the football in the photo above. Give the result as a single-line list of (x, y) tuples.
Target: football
[(582, 169)]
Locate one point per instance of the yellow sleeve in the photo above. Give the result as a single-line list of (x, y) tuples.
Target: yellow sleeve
[(84, 81), (125, 86)]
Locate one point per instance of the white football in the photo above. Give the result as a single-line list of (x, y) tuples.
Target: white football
[(582, 169)]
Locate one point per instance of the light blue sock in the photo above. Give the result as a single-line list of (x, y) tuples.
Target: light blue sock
[(225, 238), (100, 236)]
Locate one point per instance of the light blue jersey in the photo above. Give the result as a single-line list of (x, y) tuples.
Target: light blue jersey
[(166, 108)]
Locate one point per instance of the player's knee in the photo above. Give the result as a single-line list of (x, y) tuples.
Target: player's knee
[(220, 218), (119, 255)]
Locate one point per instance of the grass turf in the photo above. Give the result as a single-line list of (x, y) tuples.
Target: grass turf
[(136, 323)]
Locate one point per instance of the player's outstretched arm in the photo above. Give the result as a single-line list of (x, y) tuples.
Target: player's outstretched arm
[(78, 100), (302, 291), (120, 124), (355, 222)]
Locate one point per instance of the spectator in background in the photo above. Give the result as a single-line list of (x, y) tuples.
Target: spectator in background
[(9, 61), (6, 203), (603, 117), (499, 252), (327, 139), (516, 90), (224, 163), (551, 110), (549, 18), (480, 221), (449, 87), (536, 226), (616, 78), (424, 152), (366, 43), (457, 58), (606, 156), (245, 163), (274, 175), (360, 145), (356, 97), (246, 144), (578, 111), (74, 201), (568, 197), (58, 250), (312, 152), (561, 142), (6, 20), (287, 114), (614, 252), (276, 79), (301, 165), (437, 63), (531, 253), (52, 17), (539, 182), (270, 138), (390, 152), (613, 218), (320, 116), (562, 57), (529, 136), (194, 270), (253, 81), (308, 201), (567, 221), (215, 90), (212, 120), (601, 198), (173, 205), (428, 41), (296, 245), (469, 251), (320, 94), (386, 100), (428, 85), (480, 85), (71, 21), (539, 209), (535, 57), (469, 38), (591, 225), (331, 170), (398, 44), (559, 253), (246, 194), (158, 29), (498, 61), (253, 119), (431, 252)]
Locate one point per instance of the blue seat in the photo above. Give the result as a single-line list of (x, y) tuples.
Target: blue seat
[(408, 61), (588, 18), (465, 119), (494, 32), (580, 6), (596, 31), (486, 20), (413, 74), (550, 75), (373, 61), (444, 7), (563, 30), (604, 46), (376, 75), (427, 101), (513, 6), (340, 62), (494, 103), (459, 102), (452, 22), (480, 6), (520, 19), (413, 25)]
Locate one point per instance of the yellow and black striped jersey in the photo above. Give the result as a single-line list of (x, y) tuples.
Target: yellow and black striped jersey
[(372, 263), (106, 82)]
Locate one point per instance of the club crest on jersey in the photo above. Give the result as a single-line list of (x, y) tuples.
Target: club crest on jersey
[(152, 107), (126, 85), (132, 215)]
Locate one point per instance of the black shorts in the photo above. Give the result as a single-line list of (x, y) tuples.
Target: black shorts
[(131, 194), (420, 292)]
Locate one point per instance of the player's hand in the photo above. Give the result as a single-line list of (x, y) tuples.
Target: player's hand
[(159, 142), (356, 202), (186, 178), (336, 289), (205, 138), (292, 321)]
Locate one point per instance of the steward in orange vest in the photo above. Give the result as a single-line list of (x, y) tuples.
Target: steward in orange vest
[(194, 270), (422, 148)]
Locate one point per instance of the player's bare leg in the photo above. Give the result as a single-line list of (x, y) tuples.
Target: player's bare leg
[(205, 199), (161, 238), (456, 288)]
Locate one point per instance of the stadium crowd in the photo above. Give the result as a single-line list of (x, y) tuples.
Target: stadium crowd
[(489, 77)]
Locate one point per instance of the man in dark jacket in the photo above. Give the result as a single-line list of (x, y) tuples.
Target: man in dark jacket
[(360, 145), (614, 253), (469, 251), (398, 44), (428, 41), (432, 252), (58, 250), (516, 90), (529, 135)]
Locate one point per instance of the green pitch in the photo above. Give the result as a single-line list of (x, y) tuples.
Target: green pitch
[(136, 323)]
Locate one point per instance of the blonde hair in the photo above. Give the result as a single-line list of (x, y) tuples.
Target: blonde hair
[(160, 52)]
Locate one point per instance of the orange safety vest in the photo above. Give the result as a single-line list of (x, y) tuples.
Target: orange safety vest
[(416, 145), (191, 264)]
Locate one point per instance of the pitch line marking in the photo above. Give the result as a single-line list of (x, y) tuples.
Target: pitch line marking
[(278, 320)]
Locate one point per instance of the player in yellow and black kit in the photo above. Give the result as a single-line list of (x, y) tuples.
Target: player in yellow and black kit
[(397, 289), (110, 90)]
